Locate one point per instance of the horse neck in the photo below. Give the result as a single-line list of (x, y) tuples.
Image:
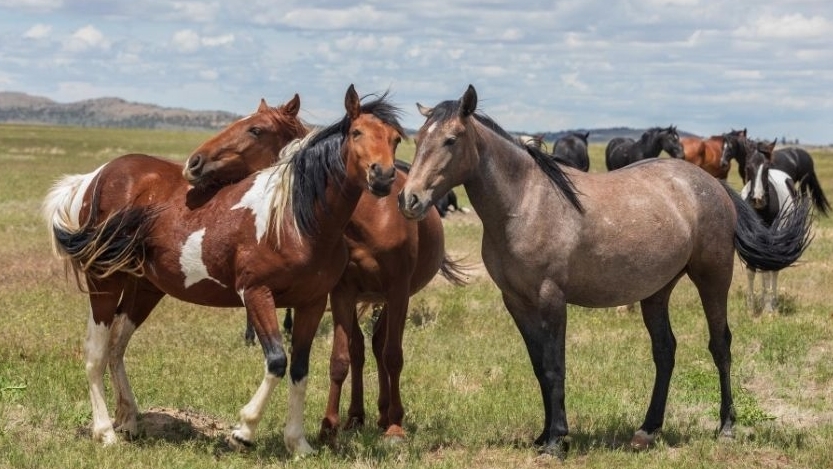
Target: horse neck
[(496, 186), (651, 145), (341, 199)]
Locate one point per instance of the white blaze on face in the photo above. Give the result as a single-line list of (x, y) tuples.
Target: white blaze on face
[(432, 128), (759, 184), (258, 199), (190, 260)]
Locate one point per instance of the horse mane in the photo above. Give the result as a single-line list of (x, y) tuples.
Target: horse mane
[(316, 162), (547, 163)]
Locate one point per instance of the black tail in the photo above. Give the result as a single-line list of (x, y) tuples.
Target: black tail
[(453, 271), (771, 248), (811, 182)]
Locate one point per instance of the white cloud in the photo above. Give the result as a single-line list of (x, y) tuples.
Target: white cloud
[(38, 31), (199, 12), (209, 75), (369, 43), (85, 39), (359, 17), (34, 5), (187, 41), (793, 26)]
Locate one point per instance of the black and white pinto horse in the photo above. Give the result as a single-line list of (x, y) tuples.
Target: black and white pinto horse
[(796, 162), (622, 151), (771, 192)]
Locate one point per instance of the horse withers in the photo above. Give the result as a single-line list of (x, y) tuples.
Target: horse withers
[(134, 231), (553, 235)]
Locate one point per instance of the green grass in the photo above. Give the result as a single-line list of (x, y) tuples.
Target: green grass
[(471, 398)]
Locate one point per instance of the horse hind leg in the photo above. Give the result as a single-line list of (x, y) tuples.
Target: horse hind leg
[(104, 298), (663, 350), (751, 302), (770, 292), (343, 305), (138, 300)]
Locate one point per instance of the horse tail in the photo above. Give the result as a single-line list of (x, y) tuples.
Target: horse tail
[(453, 271), (771, 248), (95, 249), (811, 182)]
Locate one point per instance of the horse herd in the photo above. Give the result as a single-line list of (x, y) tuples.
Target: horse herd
[(268, 214)]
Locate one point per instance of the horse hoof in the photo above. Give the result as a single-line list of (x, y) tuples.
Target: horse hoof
[(557, 448), (642, 440), (354, 423), (328, 435), (238, 443), (394, 435)]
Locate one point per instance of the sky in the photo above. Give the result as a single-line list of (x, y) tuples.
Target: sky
[(706, 66)]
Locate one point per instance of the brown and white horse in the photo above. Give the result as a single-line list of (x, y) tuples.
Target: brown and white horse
[(134, 230)]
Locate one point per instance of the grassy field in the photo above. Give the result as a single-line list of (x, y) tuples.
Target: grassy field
[(471, 398)]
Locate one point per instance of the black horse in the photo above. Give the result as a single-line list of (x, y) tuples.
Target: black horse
[(572, 149), (622, 151), (796, 162)]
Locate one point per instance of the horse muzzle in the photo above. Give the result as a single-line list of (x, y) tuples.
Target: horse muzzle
[(380, 180), (412, 207)]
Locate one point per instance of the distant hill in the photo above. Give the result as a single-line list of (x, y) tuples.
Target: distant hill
[(106, 112), (116, 112)]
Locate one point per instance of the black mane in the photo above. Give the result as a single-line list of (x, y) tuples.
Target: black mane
[(319, 162), (546, 162)]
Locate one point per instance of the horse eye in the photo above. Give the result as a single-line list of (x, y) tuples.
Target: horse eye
[(355, 133), (450, 141), (256, 131)]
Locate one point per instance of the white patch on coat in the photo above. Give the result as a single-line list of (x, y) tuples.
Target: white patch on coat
[(293, 433), (190, 260), (257, 200)]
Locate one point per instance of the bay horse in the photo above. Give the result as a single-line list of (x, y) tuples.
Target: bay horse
[(553, 235), (796, 162), (622, 151), (708, 153), (133, 230), (771, 192)]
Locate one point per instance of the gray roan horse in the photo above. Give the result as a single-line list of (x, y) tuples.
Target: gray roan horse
[(553, 235)]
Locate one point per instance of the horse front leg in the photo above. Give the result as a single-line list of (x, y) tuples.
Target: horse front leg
[(306, 324), (343, 305), (543, 328), (260, 311), (355, 414), (770, 292), (751, 304), (396, 312), (663, 349)]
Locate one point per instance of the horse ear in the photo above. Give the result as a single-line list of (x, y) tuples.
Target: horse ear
[(586, 136), (744, 132), (468, 103), (263, 106), (424, 110), (352, 103), (293, 105)]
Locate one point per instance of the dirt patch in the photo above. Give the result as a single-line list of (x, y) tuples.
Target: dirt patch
[(177, 425)]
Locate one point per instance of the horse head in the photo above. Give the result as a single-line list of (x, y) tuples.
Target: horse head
[(245, 146), (758, 163), (445, 153), (670, 141), (370, 141)]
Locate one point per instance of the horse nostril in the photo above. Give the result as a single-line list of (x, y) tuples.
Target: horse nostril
[(195, 162)]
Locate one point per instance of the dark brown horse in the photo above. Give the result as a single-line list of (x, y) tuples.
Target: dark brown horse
[(133, 231), (707, 153), (391, 258), (553, 235), (622, 151)]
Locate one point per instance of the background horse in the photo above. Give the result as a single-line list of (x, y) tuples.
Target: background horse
[(708, 153), (771, 192), (135, 231), (567, 238), (572, 148), (622, 151), (796, 162)]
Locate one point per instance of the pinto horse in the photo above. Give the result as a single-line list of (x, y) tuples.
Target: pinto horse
[(708, 153), (796, 162), (771, 192), (133, 230), (622, 151), (553, 235)]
